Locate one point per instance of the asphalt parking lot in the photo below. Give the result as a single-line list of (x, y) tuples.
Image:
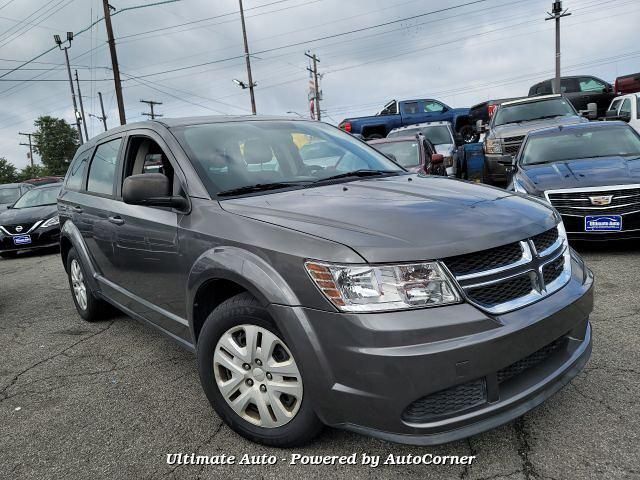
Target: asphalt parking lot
[(110, 400)]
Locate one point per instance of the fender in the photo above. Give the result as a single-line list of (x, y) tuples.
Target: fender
[(71, 233), (242, 267)]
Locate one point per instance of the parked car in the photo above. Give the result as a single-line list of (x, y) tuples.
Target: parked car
[(627, 84), (358, 295), (483, 111), (590, 173), (10, 192), (36, 182), (443, 138), (627, 109), (31, 222), (409, 112), (580, 91), (415, 153), (512, 121)]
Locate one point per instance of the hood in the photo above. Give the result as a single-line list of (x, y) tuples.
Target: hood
[(517, 129), (404, 218), (26, 215), (584, 172)]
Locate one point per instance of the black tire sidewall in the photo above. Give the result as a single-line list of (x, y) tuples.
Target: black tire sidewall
[(92, 313), (301, 429)]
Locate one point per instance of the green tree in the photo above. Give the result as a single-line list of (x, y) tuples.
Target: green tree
[(8, 172), (33, 171), (56, 142)]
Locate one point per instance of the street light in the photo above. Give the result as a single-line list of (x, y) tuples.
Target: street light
[(58, 40)]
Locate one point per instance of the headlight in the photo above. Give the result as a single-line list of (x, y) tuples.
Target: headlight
[(493, 145), (51, 222), (367, 288)]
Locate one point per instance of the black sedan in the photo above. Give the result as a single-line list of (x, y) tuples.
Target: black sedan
[(589, 172), (31, 222)]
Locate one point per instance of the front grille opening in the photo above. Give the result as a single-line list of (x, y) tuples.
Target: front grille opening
[(533, 360), (502, 292), (447, 402), (544, 240), (484, 259), (552, 270)]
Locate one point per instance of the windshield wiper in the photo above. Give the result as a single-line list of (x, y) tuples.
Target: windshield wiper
[(358, 173), (259, 187)]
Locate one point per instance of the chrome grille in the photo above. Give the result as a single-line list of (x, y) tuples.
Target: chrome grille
[(498, 281), (512, 144), (624, 199), (11, 229)]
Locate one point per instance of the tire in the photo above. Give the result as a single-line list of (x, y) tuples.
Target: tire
[(374, 136), (241, 317), (468, 134), (9, 254), (91, 309)]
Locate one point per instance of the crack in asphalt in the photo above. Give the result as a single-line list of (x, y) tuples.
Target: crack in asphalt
[(17, 376), (524, 448), (467, 468)]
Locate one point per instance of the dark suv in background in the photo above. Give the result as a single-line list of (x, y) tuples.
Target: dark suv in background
[(580, 91), (343, 290)]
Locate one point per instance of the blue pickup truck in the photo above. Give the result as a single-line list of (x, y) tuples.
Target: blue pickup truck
[(408, 112)]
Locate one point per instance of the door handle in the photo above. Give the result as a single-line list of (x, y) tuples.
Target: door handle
[(76, 209), (116, 220)]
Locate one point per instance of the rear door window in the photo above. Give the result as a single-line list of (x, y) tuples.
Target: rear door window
[(102, 171), (590, 84)]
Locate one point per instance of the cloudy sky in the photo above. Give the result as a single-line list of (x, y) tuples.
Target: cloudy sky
[(186, 54)]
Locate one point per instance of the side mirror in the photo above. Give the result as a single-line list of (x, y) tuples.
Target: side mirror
[(591, 112), (9, 206), (152, 190), (481, 126), (437, 158), (625, 116), (508, 164)]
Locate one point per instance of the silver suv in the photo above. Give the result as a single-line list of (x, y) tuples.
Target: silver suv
[(512, 121)]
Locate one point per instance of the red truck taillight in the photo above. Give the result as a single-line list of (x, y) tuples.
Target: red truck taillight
[(346, 126)]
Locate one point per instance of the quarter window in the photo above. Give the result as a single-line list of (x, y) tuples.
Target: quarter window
[(76, 172), (103, 168)]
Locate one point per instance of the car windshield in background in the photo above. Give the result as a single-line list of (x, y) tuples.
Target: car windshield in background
[(9, 194), (568, 145), (261, 155), (404, 153), (437, 134), (38, 197), (525, 112)]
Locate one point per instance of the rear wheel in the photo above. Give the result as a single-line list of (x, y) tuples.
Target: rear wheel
[(89, 307), (374, 136), (251, 377), (468, 134)]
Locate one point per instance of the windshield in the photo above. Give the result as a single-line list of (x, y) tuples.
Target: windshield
[(438, 134), (233, 155), (38, 197), (9, 194), (567, 145), (524, 112), (404, 153)]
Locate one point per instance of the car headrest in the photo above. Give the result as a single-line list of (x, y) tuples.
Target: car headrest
[(257, 151)]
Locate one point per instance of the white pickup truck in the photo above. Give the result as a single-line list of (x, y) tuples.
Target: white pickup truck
[(626, 108)]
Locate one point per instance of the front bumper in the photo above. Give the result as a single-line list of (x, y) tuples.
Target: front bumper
[(367, 372), (40, 238)]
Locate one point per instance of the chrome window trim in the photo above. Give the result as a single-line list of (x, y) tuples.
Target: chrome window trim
[(35, 225)]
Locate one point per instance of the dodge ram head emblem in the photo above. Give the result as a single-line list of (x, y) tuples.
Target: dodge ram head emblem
[(601, 200), (19, 228)]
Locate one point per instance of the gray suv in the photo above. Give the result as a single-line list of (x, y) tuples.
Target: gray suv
[(343, 291), (512, 121)]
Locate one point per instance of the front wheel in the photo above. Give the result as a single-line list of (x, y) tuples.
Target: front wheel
[(251, 377)]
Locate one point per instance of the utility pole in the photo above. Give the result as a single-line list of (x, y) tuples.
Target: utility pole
[(58, 41), (84, 120), (556, 14), (316, 85), (114, 60), (151, 103), (103, 117), (28, 135), (246, 56)]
